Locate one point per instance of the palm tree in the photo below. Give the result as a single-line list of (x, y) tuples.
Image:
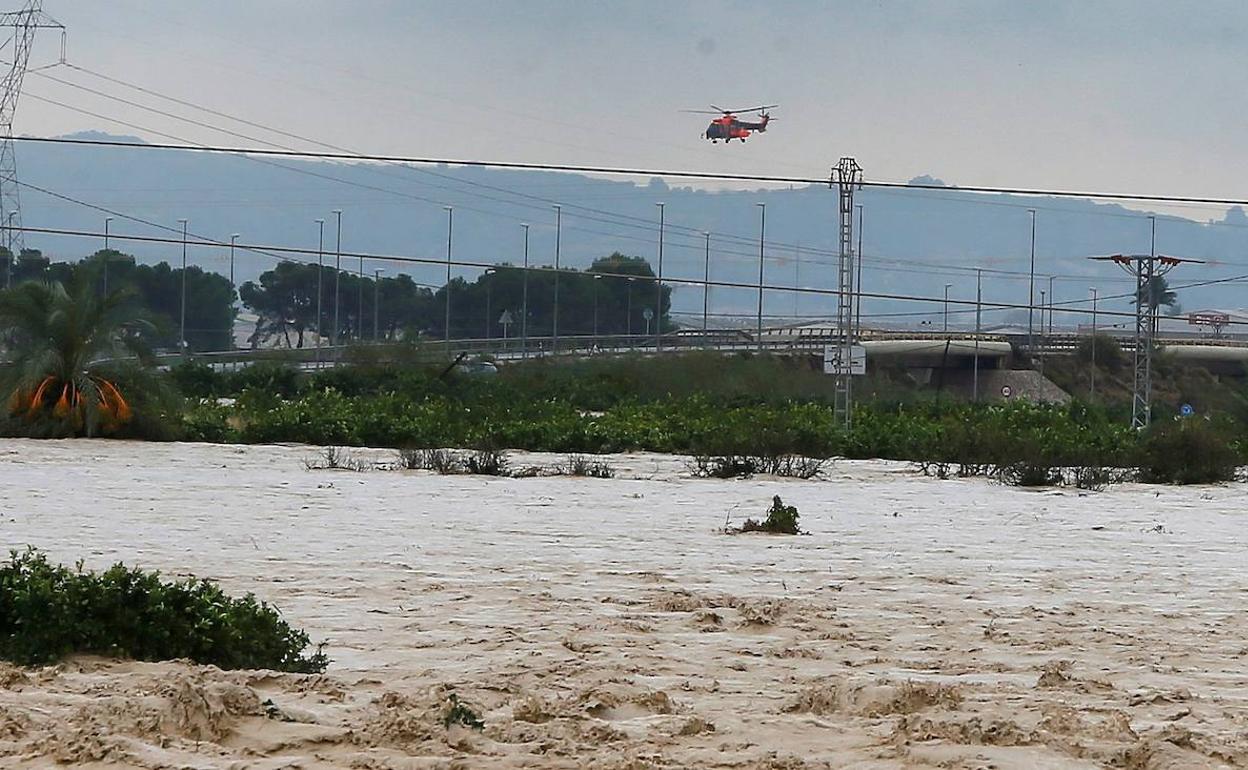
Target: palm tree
[(69, 351)]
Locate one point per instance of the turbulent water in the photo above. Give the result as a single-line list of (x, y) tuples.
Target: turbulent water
[(609, 623)]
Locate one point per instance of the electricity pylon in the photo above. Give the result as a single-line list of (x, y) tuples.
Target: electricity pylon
[(24, 23), (1143, 268), (847, 176)]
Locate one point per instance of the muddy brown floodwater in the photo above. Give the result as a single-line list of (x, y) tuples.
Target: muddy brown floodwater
[(606, 623)]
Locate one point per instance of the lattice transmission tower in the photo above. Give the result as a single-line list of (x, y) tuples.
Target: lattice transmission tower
[(16, 49), (1145, 269), (847, 176)]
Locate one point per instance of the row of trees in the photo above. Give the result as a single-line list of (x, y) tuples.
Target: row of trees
[(285, 300), (156, 288), (617, 301)]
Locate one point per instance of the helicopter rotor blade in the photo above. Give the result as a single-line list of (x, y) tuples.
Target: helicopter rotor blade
[(701, 112), (758, 109)]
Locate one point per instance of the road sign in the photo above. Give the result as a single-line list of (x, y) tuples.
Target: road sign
[(832, 360), (1186, 410), (505, 318), (1006, 391), (647, 314)]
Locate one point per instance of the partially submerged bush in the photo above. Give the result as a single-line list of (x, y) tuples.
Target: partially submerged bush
[(439, 461), (1028, 474), (335, 458), (457, 713), (1187, 451), (486, 462), (781, 520), (744, 466), (580, 465), (49, 611), (723, 466)]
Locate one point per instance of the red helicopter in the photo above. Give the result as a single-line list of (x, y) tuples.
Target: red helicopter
[(729, 127)]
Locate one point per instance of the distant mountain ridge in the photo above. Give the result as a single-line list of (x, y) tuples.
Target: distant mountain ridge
[(914, 242)]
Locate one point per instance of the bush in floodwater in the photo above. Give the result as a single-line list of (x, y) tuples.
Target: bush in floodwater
[(580, 465), (487, 462), (439, 461), (458, 713), (1187, 451), (48, 611), (781, 520)]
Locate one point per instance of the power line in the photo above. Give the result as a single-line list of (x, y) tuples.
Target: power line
[(931, 267), (275, 251), (621, 171)]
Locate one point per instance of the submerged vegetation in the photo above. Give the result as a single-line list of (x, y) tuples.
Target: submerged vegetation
[(49, 611), (734, 416)]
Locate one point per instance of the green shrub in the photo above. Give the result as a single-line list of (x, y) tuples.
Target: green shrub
[(49, 611), (781, 520), (1187, 451)]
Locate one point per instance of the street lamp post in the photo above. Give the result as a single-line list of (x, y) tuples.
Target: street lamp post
[(450, 227), (658, 286), (706, 283), (762, 234), (488, 291), (1031, 285), (946, 323), (106, 221), (524, 303), (8, 263), (337, 283), (377, 304), (628, 324), (979, 298), (233, 291), (858, 281), (320, 287), (1050, 332), (1092, 386), (233, 240), (596, 279), (182, 311), (554, 327)]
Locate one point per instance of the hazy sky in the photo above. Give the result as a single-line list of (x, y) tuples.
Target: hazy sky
[(1119, 95)]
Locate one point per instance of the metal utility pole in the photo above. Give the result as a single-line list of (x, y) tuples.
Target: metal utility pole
[(554, 329), (524, 303), (658, 287), (450, 228), (1031, 287), (1092, 387), (946, 313), (182, 311), (377, 303), (762, 234), (337, 283), (24, 23), (848, 177), (320, 289), (979, 299), (706, 283), (1144, 268)]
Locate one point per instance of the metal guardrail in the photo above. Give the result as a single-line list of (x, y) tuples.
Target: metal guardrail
[(727, 341)]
